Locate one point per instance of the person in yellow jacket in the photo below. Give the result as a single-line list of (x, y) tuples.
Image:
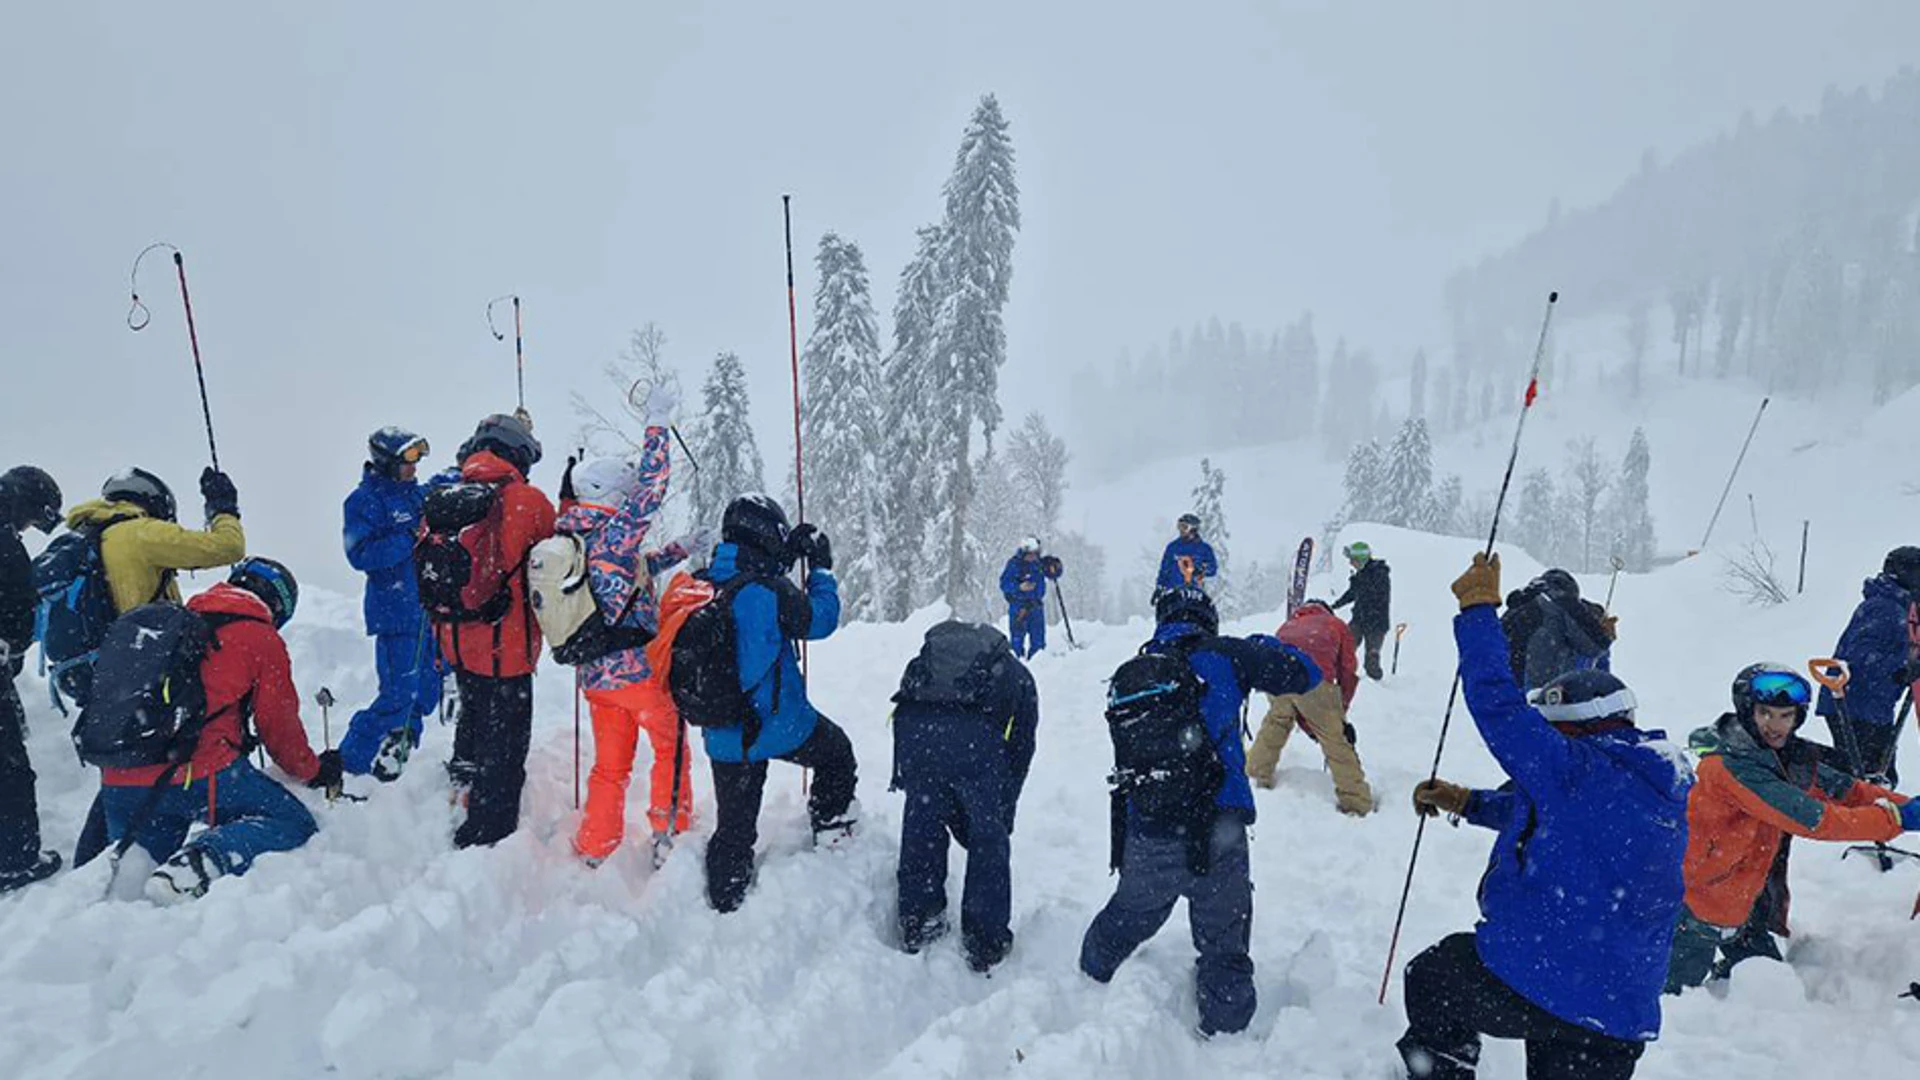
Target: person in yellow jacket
[(142, 549)]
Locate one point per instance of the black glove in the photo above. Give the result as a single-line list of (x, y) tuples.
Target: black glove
[(809, 543), (328, 777), (217, 489), (1052, 567), (567, 493), (1905, 674)]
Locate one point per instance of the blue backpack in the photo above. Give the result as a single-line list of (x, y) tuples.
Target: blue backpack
[(75, 610)]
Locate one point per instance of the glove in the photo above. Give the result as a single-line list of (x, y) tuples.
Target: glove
[(524, 417), (328, 776), (567, 494), (809, 543), (217, 489), (1905, 674), (1432, 797), (1611, 627), (1480, 584), (661, 404), (1052, 567), (1910, 815)]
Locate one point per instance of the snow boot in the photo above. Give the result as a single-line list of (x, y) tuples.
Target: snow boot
[(186, 876), (836, 834), (43, 868), (916, 934), (983, 958), (390, 760)]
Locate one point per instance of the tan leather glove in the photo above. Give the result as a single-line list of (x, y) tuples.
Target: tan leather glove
[(1431, 797), (1480, 584), (1611, 626)]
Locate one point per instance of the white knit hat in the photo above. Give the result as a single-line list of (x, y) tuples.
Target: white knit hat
[(604, 480)]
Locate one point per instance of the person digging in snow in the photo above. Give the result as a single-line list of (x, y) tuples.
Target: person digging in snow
[(1370, 591), (1881, 646), (1582, 886), (1760, 784), (1321, 712), (1550, 630), (1181, 804), (250, 696)]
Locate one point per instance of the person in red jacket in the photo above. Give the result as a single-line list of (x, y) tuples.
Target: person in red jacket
[(250, 693), (493, 664), (1315, 630)]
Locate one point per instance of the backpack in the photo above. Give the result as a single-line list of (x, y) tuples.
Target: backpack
[(959, 665), (148, 702), (561, 595), (74, 611), (458, 562), (703, 672), (1165, 765)]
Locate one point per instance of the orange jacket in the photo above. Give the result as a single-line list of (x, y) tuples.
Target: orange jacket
[(1325, 638), (510, 648), (1747, 798)]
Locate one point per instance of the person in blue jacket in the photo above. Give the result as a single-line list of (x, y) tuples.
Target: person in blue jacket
[(770, 613), (1024, 584), (1584, 882), (1188, 559), (382, 522), (1879, 648), (1205, 860)]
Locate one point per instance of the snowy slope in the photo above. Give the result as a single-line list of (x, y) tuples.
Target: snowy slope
[(378, 952)]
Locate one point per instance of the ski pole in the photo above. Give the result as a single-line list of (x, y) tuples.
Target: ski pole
[(634, 399), (576, 739), (1398, 633), (1446, 720), (1619, 564), (1728, 490), (139, 316), (1066, 620), (519, 351)]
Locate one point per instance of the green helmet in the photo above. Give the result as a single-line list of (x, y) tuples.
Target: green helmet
[(1358, 551)]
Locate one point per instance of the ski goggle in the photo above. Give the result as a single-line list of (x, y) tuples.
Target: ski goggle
[(1780, 688), (414, 451)]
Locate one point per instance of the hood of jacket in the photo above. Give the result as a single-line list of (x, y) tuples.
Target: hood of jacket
[(487, 467), (99, 513), (229, 599)]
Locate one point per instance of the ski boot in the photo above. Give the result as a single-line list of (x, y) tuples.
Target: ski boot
[(186, 876), (42, 868)]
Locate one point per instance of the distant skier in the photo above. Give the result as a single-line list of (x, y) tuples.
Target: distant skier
[(1183, 805), (963, 736), (382, 521), (1550, 630), (29, 499), (1188, 559), (1570, 953), (1760, 784), (1881, 646), (1024, 584), (1370, 591)]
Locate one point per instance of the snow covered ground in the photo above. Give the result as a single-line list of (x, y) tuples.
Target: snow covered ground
[(377, 951)]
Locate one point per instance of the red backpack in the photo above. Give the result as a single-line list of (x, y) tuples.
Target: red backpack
[(462, 571)]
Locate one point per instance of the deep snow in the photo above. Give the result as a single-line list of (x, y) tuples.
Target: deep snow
[(378, 952)]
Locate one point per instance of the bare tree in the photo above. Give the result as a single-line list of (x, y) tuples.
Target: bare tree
[(616, 428), (1751, 576)]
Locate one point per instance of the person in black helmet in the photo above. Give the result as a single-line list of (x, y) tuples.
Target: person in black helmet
[(769, 615), (29, 499), (1884, 660)]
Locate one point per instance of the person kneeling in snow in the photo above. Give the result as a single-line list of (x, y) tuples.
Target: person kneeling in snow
[(963, 734), (1582, 886), (1181, 805), (248, 680), (1760, 785)]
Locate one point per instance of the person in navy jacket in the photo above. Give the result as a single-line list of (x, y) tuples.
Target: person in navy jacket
[(1024, 584), (770, 613), (1162, 861), (1188, 559), (1583, 884), (1880, 650), (382, 522)]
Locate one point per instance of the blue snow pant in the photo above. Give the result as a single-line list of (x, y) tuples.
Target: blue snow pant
[(1027, 626), (973, 811), (409, 689), (1154, 873), (252, 815)]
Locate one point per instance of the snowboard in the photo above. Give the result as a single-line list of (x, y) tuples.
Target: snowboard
[(1297, 588)]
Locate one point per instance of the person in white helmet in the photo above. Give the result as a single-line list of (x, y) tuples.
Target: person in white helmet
[(1024, 584)]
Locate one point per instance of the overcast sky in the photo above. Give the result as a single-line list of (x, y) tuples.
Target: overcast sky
[(351, 182)]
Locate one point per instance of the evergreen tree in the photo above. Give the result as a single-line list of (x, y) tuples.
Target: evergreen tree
[(908, 426), (840, 421), (1587, 484), (1364, 483), (1038, 462), (1406, 479), (729, 456), (1443, 510), (1209, 498), (1300, 354), (1536, 521), (1630, 516), (970, 339), (1417, 387)]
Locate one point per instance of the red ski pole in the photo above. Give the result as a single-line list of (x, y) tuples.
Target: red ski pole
[(138, 318)]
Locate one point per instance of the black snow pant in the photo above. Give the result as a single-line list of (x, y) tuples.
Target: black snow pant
[(1703, 951), (490, 743), (19, 812), (1452, 1000), (1156, 872), (737, 788), (973, 810), (1877, 743), (1370, 642)]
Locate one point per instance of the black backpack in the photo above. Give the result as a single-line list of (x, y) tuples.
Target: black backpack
[(148, 704), (704, 673), (1165, 765), (959, 666), (458, 563), (75, 609)]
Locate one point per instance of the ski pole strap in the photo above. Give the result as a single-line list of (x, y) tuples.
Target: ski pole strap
[(1831, 673)]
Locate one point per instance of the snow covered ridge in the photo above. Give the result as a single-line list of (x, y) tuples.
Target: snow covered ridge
[(377, 951)]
